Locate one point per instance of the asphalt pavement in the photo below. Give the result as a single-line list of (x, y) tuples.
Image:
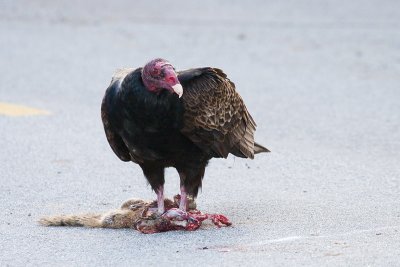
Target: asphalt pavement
[(321, 79)]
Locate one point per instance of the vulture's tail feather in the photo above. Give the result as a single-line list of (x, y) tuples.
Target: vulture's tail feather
[(260, 149)]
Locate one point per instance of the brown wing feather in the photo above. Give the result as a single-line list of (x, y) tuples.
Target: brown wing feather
[(216, 118)]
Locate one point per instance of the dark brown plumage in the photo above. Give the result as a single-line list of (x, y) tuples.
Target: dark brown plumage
[(147, 123), (215, 117)]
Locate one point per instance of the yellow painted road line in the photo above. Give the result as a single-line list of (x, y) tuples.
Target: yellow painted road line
[(18, 110)]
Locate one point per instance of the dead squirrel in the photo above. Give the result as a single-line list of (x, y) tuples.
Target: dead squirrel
[(130, 212)]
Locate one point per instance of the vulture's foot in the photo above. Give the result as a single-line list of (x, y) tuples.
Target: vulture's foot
[(160, 200), (191, 202), (181, 220), (174, 218), (177, 219), (183, 203)]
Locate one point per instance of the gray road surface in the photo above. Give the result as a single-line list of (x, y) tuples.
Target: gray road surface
[(321, 78)]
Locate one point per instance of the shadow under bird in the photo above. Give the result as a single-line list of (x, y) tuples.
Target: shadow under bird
[(158, 117)]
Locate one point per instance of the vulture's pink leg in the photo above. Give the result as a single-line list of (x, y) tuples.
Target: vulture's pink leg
[(184, 200), (160, 199)]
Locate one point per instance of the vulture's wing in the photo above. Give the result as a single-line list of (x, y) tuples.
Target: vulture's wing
[(115, 141), (215, 117)]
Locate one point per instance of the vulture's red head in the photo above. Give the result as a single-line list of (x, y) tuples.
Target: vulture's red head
[(158, 75)]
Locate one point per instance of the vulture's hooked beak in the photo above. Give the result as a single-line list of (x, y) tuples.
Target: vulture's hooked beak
[(178, 89)]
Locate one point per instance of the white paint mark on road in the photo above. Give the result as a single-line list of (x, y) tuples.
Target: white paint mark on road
[(289, 239)]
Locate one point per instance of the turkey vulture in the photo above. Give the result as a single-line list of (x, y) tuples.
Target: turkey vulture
[(158, 118)]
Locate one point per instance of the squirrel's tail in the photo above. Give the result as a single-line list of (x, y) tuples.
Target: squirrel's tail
[(88, 220)]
